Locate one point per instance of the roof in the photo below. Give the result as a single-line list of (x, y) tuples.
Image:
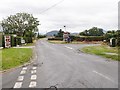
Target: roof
[(66, 33)]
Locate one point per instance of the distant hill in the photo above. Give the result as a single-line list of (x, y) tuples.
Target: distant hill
[(52, 33), (104, 31), (75, 34)]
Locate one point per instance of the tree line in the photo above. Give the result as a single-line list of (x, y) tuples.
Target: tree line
[(93, 34)]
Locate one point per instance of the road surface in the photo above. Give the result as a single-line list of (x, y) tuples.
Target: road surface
[(63, 66)]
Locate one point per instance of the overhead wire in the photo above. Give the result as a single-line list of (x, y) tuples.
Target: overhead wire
[(51, 7)]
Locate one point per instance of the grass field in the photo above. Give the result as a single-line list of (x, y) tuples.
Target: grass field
[(102, 50), (14, 57)]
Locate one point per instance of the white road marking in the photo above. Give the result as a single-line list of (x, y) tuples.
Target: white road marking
[(18, 85), (68, 47), (24, 68), (33, 71), (23, 72), (33, 77), (32, 84), (34, 68), (20, 78), (103, 76)]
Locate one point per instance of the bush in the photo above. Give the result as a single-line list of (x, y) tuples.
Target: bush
[(87, 38), (13, 41), (28, 39), (41, 36), (3, 41), (94, 38), (18, 40)]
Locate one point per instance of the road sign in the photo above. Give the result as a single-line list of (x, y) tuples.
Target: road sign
[(7, 41), (22, 41)]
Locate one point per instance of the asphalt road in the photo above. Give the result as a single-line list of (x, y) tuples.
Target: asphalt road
[(63, 66)]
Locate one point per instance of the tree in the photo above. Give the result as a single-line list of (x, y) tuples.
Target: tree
[(60, 33), (93, 32), (22, 24), (111, 34), (84, 33)]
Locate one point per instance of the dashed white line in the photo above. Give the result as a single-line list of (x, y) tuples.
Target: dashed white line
[(24, 68), (32, 84), (20, 78), (68, 47), (34, 68), (33, 71), (18, 85), (103, 76), (23, 72), (33, 77)]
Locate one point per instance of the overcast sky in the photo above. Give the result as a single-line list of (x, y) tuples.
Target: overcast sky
[(77, 15)]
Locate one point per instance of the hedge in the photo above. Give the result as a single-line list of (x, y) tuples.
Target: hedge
[(18, 41), (87, 38), (13, 41), (28, 39), (3, 41), (83, 38), (56, 38)]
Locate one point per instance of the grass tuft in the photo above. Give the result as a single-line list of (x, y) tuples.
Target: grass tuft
[(102, 50)]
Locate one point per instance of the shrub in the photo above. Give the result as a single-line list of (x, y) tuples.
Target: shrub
[(13, 41), (41, 36), (3, 41), (18, 40), (87, 38), (28, 39)]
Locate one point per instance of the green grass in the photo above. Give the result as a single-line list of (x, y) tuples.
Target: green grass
[(102, 50), (63, 42), (73, 42), (14, 57), (56, 42)]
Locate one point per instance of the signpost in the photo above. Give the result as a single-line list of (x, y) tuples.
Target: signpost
[(66, 36), (22, 41), (7, 41)]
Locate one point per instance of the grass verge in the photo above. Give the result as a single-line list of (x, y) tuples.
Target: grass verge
[(102, 50), (14, 57), (30, 44), (56, 42), (73, 42)]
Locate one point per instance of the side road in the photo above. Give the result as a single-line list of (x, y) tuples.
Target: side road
[(64, 66)]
